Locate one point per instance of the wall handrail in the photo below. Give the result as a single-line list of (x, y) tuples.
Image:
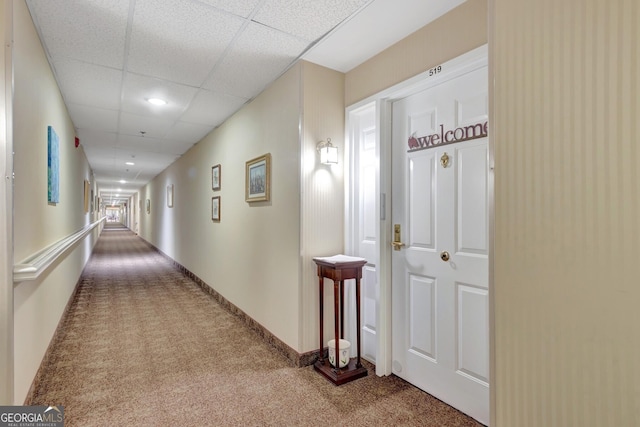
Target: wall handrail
[(34, 265)]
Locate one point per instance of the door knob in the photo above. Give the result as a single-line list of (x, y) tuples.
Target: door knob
[(444, 255), (397, 245)]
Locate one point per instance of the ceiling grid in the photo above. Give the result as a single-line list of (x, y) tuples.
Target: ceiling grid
[(205, 58)]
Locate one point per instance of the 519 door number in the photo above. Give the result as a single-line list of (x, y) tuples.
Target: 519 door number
[(435, 70)]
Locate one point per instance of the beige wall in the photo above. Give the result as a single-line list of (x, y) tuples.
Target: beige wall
[(37, 103), (567, 214), (459, 31), (253, 256), (322, 227)]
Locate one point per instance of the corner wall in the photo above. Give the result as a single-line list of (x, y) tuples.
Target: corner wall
[(322, 208), (39, 304)]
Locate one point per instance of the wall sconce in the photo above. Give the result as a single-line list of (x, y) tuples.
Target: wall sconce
[(328, 153)]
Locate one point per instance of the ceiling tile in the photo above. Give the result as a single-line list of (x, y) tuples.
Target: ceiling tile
[(171, 148), (133, 144), (138, 89), (88, 84), (103, 156), (132, 147), (187, 134), (257, 48), (99, 119), (179, 40), (177, 148), (212, 108), (145, 160), (92, 138), (308, 19), (153, 127), (206, 57), (241, 8), (336, 50), (147, 164), (90, 31), (103, 160)]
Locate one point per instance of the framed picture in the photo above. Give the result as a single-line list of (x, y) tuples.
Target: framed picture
[(87, 187), (170, 195), (258, 179), (148, 206), (216, 176), (53, 166), (215, 208)]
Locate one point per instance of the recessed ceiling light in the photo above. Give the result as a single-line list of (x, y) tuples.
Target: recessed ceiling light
[(122, 181), (130, 163), (157, 101)]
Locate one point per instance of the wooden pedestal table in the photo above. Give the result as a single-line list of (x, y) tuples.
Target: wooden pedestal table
[(339, 268)]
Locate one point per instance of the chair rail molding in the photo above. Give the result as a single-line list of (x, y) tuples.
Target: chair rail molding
[(34, 265)]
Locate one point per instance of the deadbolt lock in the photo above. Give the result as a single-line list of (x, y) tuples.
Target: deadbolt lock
[(444, 255), (397, 242)]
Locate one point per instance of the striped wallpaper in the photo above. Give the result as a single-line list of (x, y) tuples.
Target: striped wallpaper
[(565, 130)]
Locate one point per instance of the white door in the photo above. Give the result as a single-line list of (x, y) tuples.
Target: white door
[(365, 142), (363, 228), (440, 311)]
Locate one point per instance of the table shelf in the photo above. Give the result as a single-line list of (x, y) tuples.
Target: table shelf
[(339, 268)]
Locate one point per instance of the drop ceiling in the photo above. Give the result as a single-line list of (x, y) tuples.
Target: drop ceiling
[(205, 58)]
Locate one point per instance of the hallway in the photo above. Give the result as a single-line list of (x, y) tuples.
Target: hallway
[(142, 344)]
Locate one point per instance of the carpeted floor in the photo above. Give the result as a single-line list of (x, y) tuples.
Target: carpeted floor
[(142, 345)]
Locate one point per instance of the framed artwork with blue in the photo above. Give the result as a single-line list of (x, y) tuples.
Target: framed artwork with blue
[(53, 166)]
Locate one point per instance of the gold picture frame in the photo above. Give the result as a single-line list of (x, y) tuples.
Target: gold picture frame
[(258, 179)]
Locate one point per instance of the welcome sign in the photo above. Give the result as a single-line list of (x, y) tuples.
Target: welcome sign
[(463, 133)]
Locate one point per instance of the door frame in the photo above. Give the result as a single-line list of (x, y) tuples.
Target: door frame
[(6, 210), (462, 64)]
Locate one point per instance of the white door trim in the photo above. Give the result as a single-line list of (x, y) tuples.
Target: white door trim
[(455, 67), (6, 211)]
